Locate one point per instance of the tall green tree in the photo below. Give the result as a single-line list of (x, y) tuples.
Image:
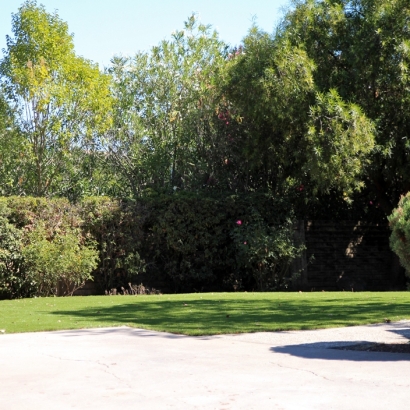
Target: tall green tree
[(164, 134), (12, 149), (361, 49), (62, 101), (291, 133)]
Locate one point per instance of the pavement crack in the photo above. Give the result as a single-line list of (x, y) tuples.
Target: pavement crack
[(303, 370), (105, 367)]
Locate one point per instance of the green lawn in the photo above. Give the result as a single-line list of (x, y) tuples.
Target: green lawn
[(206, 313)]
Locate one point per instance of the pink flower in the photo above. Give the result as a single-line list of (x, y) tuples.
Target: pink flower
[(227, 122), (245, 243), (371, 202), (239, 222)]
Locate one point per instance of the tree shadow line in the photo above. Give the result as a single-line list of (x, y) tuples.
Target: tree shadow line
[(222, 316)]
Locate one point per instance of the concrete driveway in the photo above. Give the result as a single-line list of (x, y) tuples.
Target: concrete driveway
[(124, 368)]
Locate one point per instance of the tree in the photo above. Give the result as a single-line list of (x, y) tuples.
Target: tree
[(290, 133), (361, 49), (164, 134), (12, 148), (62, 101)]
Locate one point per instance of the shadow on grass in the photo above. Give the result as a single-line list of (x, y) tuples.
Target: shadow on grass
[(224, 315)]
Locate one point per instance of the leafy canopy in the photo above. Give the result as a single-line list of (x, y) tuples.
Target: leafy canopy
[(290, 131), (61, 101)]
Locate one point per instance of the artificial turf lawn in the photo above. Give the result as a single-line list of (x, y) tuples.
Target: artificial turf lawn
[(206, 313)]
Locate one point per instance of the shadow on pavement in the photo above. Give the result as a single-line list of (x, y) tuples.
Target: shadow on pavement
[(339, 351), (402, 332), (128, 331), (119, 330)]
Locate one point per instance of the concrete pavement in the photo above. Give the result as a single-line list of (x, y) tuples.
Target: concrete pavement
[(124, 368)]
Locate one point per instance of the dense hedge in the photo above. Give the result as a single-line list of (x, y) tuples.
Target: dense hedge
[(222, 242), (184, 242), (43, 248)]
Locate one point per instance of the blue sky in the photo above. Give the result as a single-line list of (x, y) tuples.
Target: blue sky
[(103, 28)]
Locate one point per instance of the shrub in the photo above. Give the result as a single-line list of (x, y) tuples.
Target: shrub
[(400, 226), (187, 240), (265, 250), (26, 212), (14, 280), (196, 241), (59, 260), (182, 242), (116, 226), (42, 247)]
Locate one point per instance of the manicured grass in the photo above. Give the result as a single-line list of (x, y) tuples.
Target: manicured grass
[(206, 313)]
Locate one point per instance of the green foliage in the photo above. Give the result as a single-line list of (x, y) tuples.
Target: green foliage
[(400, 237), (44, 249), (62, 258), (361, 49), (200, 137), (61, 101), (321, 104), (14, 278), (12, 148), (28, 212), (339, 139), (187, 240), (195, 240), (117, 229), (289, 132), (164, 134), (266, 251)]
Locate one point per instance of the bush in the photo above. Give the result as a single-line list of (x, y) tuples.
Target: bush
[(61, 262), (14, 279), (187, 240), (117, 228), (196, 240), (42, 247), (400, 226), (266, 251), (26, 212), (181, 242)]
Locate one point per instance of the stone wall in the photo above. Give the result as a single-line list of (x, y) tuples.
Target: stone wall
[(347, 255)]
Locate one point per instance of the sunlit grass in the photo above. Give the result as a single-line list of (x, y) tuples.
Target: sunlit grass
[(206, 313)]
